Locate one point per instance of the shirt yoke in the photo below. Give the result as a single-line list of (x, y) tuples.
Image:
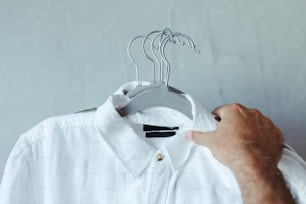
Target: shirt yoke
[(47, 128)]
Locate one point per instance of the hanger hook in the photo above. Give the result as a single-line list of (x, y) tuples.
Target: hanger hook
[(146, 54), (171, 38), (163, 56), (166, 32), (190, 42), (154, 54), (163, 33), (133, 59)]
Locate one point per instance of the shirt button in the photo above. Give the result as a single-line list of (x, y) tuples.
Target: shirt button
[(159, 157)]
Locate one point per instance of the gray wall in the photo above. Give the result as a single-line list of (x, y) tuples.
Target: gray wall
[(60, 56)]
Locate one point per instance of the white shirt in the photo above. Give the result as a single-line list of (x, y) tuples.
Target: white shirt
[(100, 157)]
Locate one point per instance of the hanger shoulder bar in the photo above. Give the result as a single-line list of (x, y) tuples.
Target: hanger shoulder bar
[(157, 97)]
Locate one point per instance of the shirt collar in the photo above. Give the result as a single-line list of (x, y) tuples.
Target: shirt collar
[(135, 153)]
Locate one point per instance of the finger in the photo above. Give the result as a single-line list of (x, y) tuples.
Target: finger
[(255, 115), (280, 135), (218, 112), (268, 121), (222, 111), (203, 138), (256, 112)]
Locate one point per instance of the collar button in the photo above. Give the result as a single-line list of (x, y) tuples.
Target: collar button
[(159, 157)]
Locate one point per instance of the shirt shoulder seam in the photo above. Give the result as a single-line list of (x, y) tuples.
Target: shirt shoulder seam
[(40, 130)]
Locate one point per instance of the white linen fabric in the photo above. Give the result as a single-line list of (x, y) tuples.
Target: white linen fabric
[(99, 157)]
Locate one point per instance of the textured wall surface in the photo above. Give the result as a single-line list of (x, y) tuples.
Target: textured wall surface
[(61, 56)]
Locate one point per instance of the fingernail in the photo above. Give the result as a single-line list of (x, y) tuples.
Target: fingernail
[(189, 135), (217, 118)]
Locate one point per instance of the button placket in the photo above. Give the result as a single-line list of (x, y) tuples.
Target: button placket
[(160, 178)]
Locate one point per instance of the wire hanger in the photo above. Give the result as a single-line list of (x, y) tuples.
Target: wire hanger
[(133, 59), (158, 93), (139, 89)]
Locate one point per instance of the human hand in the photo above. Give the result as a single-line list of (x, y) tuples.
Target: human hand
[(251, 146), (244, 137)]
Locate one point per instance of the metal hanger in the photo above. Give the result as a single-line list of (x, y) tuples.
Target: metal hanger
[(158, 58), (133, 59), (158, 93), (132, 93)]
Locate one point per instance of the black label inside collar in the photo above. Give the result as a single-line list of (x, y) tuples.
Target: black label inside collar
[(147, 128), (160, 134)]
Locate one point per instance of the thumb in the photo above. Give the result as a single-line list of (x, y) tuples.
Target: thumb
[(207, 139)]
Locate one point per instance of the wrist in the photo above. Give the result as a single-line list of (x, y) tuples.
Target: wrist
[(262, 185)]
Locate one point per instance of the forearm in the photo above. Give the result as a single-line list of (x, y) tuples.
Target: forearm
[(251, 146), (263, 187)]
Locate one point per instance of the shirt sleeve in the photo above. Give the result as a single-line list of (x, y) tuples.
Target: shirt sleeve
[(293, 168), (19, 181)]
